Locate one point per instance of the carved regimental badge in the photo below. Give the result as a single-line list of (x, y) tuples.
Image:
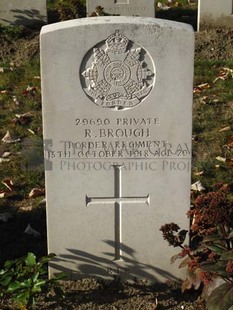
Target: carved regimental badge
[(117, 74)]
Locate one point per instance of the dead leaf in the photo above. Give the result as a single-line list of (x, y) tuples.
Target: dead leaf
[(27, 208), (219, 158), (2, 70), (2, 160), (197, 186), (230, 142), (8, 139), (30, 90), (22, 118), (2, 92), (31, 231), (227, 128), (203, 86), (37, 77), (196, 90), (229, 162), (184, 262), (6, 193), (15, 100), (8, 183), (35, 192), (6, 154), (31, 131), (186, 285), (199, 173), (224, 74), (200, 87)]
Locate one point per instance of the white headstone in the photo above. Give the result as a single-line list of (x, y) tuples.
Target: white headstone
[(23, 12), (215, 12), (117, 112), (123, 7)]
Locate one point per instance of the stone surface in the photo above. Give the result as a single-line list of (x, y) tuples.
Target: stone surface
[(117, 113), (123, 7), (214, 12), (23, 12)]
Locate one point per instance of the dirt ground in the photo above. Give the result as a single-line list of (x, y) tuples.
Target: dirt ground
[(214, 44), (211, 44)]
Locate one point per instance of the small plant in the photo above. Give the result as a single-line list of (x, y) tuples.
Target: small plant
[(22, 279), (209, 258), (12, 32), (70, 9)]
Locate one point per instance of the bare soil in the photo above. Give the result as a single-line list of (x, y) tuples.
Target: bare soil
[(211, 44)]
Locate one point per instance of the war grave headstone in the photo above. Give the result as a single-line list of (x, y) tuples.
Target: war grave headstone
[(23, 12), (215, 13), (117, 115), (123, 7)]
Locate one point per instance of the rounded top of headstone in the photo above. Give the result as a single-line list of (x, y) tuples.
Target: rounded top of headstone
[(93, 21)]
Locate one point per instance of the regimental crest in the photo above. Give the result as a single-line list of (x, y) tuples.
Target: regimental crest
[(117, 76)]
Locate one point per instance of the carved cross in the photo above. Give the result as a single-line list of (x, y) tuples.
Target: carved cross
[(118, 200)]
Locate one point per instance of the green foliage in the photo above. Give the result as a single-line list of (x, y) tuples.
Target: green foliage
[(210, 254), (24, 278), (12, 32)]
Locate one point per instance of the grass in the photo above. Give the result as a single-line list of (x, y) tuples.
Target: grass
[(212, 112), (15, 81)]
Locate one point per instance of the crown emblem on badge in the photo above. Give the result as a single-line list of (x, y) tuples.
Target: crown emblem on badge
[(117, 43)]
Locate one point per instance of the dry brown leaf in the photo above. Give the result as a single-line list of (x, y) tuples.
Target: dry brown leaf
[(186, 285), (203, 86), (6, 154), (15, 100), (2, 92), (8, 139), (8, 183), (196, 90), (224, 74), (184, 262), (22, 118), (222, 159), (31, 131), (230, 142), (35, 192), (197, 186), (2, 160), (6, 193), (229, 162), (227, 128), (27, 208), (30, 90), (198, 173)]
